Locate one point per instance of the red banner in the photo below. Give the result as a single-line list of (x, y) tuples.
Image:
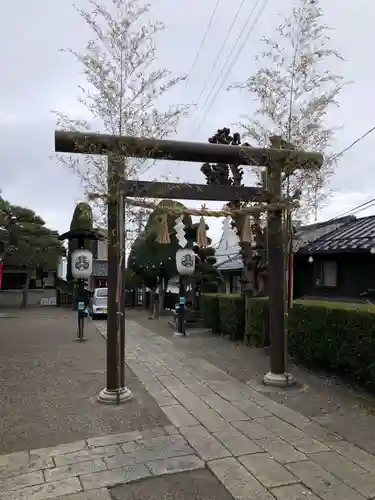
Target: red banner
[(1, 274)]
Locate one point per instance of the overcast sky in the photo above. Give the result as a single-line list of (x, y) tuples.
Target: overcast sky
[(37, 78)]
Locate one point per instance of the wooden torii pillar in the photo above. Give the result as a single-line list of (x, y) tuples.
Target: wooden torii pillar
[(274, 159)]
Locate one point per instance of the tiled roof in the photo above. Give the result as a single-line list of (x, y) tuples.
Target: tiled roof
[(307, 234), (357, 235), (228, 257)]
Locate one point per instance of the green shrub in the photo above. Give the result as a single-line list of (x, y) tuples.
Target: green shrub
[(231, 313), (209, 308), (332, 336), (257, 334), (338, 340)]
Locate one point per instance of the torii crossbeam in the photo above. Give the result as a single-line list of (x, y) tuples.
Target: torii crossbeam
[(275, 159)]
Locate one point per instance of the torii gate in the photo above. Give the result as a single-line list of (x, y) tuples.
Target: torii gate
[(275, 159)]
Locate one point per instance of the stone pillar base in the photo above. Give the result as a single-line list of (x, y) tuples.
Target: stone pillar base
[(279, 379), (113, 397)]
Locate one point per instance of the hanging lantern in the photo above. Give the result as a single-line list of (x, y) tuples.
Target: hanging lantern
[(81, 263), (185, 261)]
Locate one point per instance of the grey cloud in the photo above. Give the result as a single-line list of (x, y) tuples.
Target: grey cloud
[(37, 78)]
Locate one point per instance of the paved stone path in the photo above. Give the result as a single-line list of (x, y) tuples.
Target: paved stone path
[(257, 448)]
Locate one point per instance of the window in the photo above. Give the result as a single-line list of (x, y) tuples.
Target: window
[(326, 274), (102, 292)]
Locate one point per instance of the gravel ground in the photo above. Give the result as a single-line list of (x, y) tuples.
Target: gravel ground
[(341, 407), (49, 384)]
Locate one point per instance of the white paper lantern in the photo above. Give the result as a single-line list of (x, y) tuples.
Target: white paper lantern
[(81, 263), (185, 261)]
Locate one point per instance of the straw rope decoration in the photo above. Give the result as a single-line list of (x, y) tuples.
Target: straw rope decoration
[(202, 240), (246, 230), (201, 212), (163, 236), (162, 230)]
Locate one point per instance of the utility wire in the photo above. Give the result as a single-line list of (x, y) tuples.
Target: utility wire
[(366, 204), (229, 56), (220, 50), (359, 208), (202, 42), (238, 53), (334, 157)]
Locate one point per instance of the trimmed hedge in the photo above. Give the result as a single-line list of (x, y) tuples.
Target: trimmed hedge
[(209, 308), (232, 320), (223, 313), (330, 336)]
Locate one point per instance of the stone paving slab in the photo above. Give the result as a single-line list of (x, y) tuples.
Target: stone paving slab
[(293, 492), (205, 444), (267, 470), (179, 416), (351, 474), (321, 482), (95, 464), (175, 465), (238, 480), (280, 450), (237, 443), (100, 494)]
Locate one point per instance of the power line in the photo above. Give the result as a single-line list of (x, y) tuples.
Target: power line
[(359, 208), (230, 55), (203, 40), (238, 53), (220, 50), (353, 211), (334, 157), (366, 204)]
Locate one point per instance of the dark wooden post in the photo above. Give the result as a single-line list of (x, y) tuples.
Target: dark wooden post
[(112, 337), (115, 391), (276, 278), (121, 316)]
